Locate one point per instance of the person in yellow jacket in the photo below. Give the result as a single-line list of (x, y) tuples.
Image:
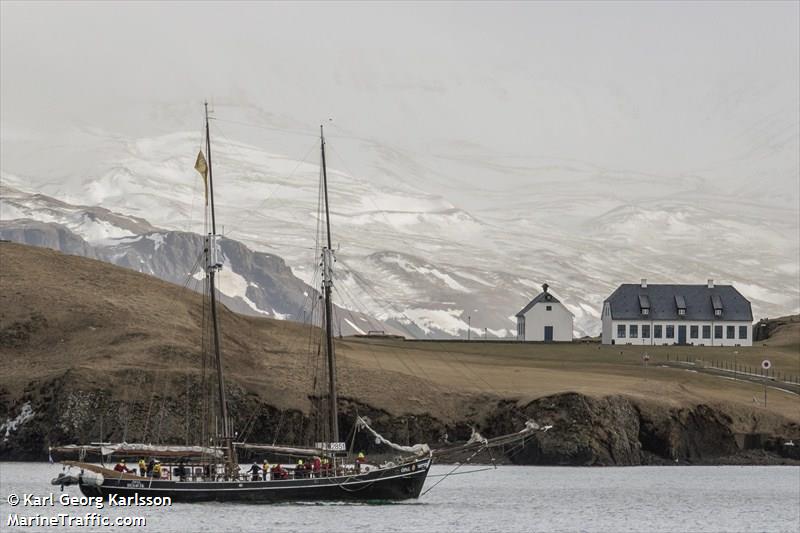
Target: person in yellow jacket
[(360, 460), (157, 470), (142, 467), (266, 467)]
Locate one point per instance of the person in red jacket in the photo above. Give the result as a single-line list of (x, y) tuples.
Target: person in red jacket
[(278, 472), (122, 468), (316, 466)]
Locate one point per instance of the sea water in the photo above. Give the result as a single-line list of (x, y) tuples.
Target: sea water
[(506, 499)]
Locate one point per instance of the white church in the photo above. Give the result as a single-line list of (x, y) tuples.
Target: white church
[(544, 319)]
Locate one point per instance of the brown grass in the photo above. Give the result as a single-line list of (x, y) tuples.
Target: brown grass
[(109, 325)]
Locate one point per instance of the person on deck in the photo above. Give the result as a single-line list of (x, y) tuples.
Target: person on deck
[(181, 472), (316, 466), (157, 470), (300, 470), (254, 470), (122, 468), (278, 472), (150, 466), (265, 468), (360, 460), (142, 467), (326, 467)]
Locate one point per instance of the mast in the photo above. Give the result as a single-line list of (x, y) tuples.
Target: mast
[(211, 269), (327, 283)]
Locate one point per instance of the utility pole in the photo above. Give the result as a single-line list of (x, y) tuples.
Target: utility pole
[(469, 325)]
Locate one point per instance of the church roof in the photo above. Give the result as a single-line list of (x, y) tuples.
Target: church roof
[(542, 297)]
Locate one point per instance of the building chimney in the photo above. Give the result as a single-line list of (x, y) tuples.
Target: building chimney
[(644, 283), (710, 283), (544, 287)]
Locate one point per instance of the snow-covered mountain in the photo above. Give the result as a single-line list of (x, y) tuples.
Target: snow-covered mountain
[(250, 282), (416, 260)]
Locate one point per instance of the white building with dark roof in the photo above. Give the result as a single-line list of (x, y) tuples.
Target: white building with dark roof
[(703, 315), (544, 319)]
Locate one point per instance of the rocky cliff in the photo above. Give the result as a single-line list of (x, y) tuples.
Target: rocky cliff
[(92, 352)]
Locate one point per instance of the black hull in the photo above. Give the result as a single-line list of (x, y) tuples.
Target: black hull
[(397, 483)]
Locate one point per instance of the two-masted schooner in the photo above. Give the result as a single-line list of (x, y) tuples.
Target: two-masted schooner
[(212, 473)]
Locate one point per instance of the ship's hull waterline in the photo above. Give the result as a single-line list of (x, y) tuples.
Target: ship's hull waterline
[(400, 482)]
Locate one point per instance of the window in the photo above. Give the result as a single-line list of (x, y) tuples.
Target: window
[(718, 312), (681, 312), (645, 331), (549, 308), (621, 331), (694, 331), (634, 329), (645, 311), (742, 332), (731, 332), (717, 332), (706, 332), (657, 332), (670, 332)]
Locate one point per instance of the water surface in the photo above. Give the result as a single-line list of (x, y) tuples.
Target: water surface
[(509, 499)]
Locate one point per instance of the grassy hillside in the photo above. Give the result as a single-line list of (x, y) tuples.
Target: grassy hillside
[(63, 315)]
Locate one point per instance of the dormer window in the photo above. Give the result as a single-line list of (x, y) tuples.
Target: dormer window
[(716, 303), (644, 304), (680, 304)]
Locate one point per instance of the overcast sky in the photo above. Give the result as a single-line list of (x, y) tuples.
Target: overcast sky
[(653, 87)]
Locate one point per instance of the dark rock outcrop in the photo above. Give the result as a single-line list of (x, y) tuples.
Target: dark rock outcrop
[(613, 430)]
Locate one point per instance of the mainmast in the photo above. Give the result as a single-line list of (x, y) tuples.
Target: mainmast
[(212, 266), (327, 284)]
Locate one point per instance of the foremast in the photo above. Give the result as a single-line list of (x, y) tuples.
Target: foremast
[(212, 267), (327, 285)]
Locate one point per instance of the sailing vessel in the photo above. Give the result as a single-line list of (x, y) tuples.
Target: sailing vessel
[(212, 473)]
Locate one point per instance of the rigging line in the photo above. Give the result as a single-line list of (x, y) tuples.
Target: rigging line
[(302, 133), (235, 147), (466, 367), (378, 297), (381, 212), (459, 465), (344, 362), (370, 348), (291, 174), (462, 473), (436, 354), (461, 370), (368, 345), (190, 220), (381, 301), (278, 429), (421, 373)]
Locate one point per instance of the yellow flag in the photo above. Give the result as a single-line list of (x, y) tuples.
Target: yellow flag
[(201, 167)]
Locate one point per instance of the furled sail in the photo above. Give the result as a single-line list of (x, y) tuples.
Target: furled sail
[(286, 450), (150, 450), (417, 449)]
